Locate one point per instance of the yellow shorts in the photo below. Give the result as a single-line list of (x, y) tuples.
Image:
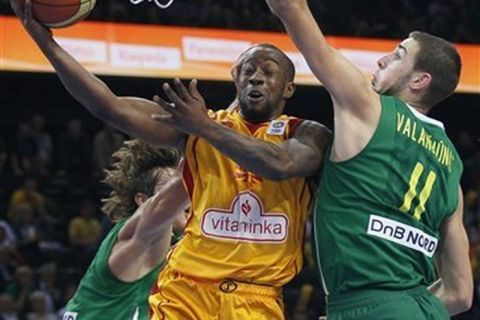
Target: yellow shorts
[(180, 297)]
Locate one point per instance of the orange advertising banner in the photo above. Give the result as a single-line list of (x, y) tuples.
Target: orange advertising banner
[(164, 52)]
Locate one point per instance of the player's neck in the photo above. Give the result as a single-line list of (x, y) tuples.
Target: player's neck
[(419, 107), (414, 102)]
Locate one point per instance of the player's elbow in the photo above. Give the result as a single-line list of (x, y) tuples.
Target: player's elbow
[(464, 301), (281, 170), (106, 112)]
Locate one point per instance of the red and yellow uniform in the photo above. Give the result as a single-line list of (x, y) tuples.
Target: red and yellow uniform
[(244, 238)]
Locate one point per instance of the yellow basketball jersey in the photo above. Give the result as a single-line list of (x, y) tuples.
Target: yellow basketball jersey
[(241, 226)]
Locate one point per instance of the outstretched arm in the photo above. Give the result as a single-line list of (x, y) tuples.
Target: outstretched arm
[(455, 289), (130, 115), (145, 239), (349, 87), (301, 155)]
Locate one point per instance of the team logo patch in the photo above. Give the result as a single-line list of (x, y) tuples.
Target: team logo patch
[(277, 127), (70, 315), (245, 221), (402, 234)]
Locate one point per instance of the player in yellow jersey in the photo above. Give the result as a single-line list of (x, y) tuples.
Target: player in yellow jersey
[(246, 173), (244, 239)]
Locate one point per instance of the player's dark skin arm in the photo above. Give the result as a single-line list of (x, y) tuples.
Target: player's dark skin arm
[(127, 114), (300, 155)]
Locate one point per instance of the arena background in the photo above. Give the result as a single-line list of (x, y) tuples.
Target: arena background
[(68, 173)]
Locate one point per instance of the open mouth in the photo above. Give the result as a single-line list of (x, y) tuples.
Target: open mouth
[(255, 95)]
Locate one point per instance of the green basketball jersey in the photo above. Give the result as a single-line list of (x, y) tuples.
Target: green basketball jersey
[(101, 296), (378, 214)]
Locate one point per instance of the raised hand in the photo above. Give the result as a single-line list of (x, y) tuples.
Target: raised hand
[(186, 111), (23, 10)]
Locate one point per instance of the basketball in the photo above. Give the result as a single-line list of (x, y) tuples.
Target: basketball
[(61, 13)]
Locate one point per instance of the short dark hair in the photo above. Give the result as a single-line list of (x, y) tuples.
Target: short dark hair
[(441, 60), (134, 171), (290, 72)]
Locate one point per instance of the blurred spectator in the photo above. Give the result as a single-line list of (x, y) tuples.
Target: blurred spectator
[(9, 254), (48, 284), (28, 194), (74, 149), (21, 287), (38, 302), (105, 143), (84, 232), (8, 240), (7, 308), (43, 142), (7, 268), (28, 232), (23, 150)]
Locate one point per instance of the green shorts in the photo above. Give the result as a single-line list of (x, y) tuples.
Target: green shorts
[(417, 303)]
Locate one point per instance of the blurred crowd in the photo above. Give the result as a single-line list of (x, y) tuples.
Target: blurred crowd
[(455, 20), (50, 223)]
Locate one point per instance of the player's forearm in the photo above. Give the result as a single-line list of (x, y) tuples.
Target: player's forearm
[(262, 158), (327, 64), (130, 115), (307, 36), (455, 301), (86, 88), (161, 209)]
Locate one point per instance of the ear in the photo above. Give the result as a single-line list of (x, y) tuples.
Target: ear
[(289, 90), (235, 73), (140, 198), (420, 81)]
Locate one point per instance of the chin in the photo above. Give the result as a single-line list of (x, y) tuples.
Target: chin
[(254, 115)]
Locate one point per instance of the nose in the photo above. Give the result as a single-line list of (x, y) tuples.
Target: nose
[(257, 78), (382, 62)]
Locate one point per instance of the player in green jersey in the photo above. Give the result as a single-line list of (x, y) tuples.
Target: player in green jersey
[(119, 279), (389, 206)]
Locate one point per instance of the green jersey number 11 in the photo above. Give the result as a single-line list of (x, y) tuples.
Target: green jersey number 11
[(412, 191)]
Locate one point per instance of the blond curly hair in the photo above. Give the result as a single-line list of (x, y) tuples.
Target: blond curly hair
[(135, 170)]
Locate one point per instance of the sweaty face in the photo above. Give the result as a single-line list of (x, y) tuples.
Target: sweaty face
[(394, 70), (261, 85)]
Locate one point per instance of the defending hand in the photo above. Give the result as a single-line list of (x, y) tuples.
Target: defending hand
[(186, 111)]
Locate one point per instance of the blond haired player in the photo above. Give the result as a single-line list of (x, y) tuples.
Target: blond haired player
[(246, 173), (147, 195)]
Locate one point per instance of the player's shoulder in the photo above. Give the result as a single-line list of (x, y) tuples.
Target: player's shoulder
[(312, 127)]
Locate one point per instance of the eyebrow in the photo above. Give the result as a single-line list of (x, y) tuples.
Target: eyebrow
[(402, 47), (267, 59)]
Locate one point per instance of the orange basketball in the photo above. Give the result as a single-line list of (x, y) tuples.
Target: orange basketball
[(61, 13)]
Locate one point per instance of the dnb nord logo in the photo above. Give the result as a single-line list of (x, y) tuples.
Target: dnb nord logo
[(245, 221)]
